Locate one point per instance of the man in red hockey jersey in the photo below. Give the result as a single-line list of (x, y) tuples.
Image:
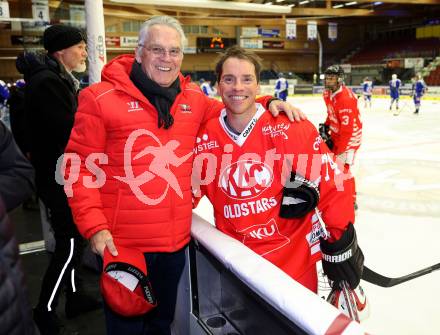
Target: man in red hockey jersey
[(272, 182), (342, 130)]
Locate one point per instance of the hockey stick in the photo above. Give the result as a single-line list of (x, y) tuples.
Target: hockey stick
[(379, 280)]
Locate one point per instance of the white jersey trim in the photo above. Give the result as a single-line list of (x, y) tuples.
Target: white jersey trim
[(241, 139)]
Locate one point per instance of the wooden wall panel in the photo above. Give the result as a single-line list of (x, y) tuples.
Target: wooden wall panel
[(8, 72)]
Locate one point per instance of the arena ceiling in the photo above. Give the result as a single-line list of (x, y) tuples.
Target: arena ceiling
[(264, 12), (259, 12)]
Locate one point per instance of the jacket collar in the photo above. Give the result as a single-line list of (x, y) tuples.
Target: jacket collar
[(55, 65)]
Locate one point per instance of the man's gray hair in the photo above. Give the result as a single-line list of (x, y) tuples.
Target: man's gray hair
[(161, 20)]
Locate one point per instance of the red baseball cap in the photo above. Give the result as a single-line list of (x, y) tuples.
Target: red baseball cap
[(124, 283)]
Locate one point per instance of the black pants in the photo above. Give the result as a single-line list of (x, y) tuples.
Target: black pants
[(164, 271), (68, 248)]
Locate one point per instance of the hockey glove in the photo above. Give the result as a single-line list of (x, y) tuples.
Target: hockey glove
[(300, 196), (343, 259), (324, 132)]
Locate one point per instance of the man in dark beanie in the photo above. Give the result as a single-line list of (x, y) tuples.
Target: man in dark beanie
[(59, 37), (50, 105)]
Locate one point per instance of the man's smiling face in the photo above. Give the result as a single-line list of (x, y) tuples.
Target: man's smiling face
[(161, 67), (238, 86)]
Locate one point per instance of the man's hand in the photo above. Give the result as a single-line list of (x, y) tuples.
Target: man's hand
[(102, 239), (293, 113)]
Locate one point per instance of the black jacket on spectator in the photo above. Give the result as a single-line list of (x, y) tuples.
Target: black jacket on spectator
[(16, 175), (50, 106)]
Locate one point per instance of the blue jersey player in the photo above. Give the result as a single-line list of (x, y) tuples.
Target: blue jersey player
[(208, 90), (395, 85), (419, 88), (281, 87), (367, 91)]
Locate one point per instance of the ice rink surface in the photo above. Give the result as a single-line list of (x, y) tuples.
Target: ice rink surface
[(398, 221)]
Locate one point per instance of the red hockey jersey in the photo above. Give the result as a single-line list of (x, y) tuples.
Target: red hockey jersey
[(343, 117), (243, 176)]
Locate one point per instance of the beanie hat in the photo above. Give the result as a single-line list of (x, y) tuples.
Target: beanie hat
[(124, 283), (59, 37)]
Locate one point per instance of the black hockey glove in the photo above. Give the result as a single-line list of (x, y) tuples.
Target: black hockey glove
[(300, 196), (324, 132), (343, 259)]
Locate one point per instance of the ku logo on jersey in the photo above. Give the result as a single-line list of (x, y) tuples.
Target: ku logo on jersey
[(245, 179), (267, 236)]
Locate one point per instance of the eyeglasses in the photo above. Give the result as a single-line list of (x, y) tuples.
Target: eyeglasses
[(161, 52)]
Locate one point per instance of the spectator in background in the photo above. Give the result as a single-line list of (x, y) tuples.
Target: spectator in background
[(395, 85), (16, 185), (4, 92), (50, 106), (281, 87), (205, 86), (418, 90), (4, 96)]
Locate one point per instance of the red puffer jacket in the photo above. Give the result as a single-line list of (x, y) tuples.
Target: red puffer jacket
[(145, 200)]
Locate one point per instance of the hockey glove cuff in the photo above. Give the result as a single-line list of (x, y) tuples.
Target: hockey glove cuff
[(343, 259), (300, 196)]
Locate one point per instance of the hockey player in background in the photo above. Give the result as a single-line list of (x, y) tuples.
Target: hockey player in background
[(367, 91), (281, 88), (395, 85), (205, 86), (342, 130), (418, 90), (271, 183)]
